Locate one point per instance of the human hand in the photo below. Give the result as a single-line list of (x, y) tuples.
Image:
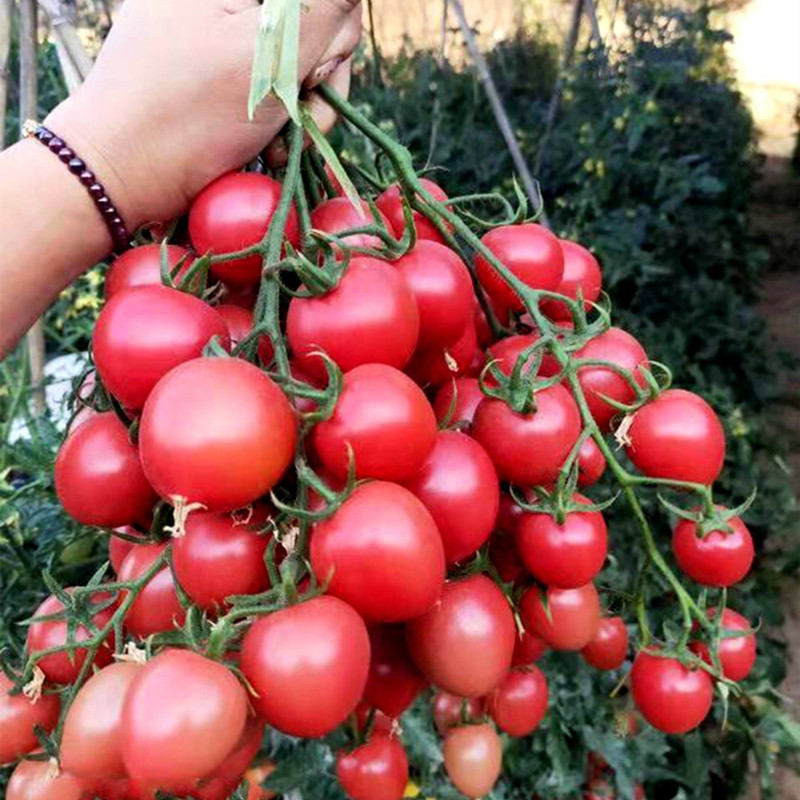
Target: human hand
[(164, 110)]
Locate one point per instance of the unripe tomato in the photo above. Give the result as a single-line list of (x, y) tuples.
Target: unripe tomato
[(677, 436), (437, 366), (143, 333), (737, 654), (581, 271), (98, 476), (19, 716), (339, 214), (377, 770), (247, 425), (473, 758), (609, 647), (390, 204), (591, 463), (465, 643), (450, 711), (519, 703), (32, 780), (571, 619), (308, 664), (141, 266), (232, 213), (528, 649), (457, 401)]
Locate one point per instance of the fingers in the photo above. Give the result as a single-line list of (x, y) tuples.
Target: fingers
[(339, 50)]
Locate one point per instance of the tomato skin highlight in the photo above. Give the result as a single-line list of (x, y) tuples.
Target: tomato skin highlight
[(574, 616), (387, 421), (473, 759), (381, 552), (141, 266), (377, 770), (581, 270), (671, 697), (472, 625), (338, 214), (519, 703), (371, 317), (737, 654), (308, 664), (677, 436), (458, 485), (389, 203), (233, 213), (468, 396), (609, 647), (19, 716), (247, 424), (720, 558), (591, 463), (98, 476), (530, 251), (31, 781)]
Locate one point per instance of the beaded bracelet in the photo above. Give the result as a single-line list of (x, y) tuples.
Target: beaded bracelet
[(77, 166)]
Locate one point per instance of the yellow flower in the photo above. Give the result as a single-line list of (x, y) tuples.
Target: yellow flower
[(601, 169), (412, 790), (739, 426), (87, 301), (619, 123), (568, 95), (94, 278), (651, 106), (588, 165)]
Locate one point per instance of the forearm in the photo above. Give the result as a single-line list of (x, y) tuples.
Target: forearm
[(50, 231)]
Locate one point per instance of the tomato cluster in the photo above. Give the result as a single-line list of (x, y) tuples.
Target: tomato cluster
[(325, 505)]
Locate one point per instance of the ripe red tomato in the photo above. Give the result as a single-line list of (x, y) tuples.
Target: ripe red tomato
[(219, 557), (339, 214), (450, 711), (599, 788), (232, 213), (141, 266), (581, 271), (510, 438), (458, 485), (98, 476), (381, 724), (443, 290), (118, 548), (156, 608), (377, 770), (473, 758), (571, 619), (238, 321), (737, 654), (394, 681), (531, 252), (621, 349), (464, 644), (386, 420), (232, 770), (609, 647), (91, 747), (503, 554), (720, 558), (381, 553), (519, 703), (63, 667), (591, 463), (506, 352), (390, 205), (19, 716), (508, 515), (143, 333), (183, 715), (308, 664), (371, 317), (670, 696), (31, 781), (457, 401), (677, 436), (437, 366), (247, 424), (565, 556), (528, 649)]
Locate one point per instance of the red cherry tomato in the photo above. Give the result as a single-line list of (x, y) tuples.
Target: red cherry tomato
[(238, 321), (531, 252), (394, 681), (443, 290), (621, 349), (19, 716), (568, 555), (591, 463), (63, 667), (450, 711), (390, 204), (156, 608), (464, 644), (519, 703), (32, 780), (381, 553), (381, 724), (459, 486), (141, 266), (183, 716), (571, 619), (677, 436), (528, 649), (218, 557), (609, 647), (308, 664), (508, 515), (581, 271), (143, 333), (385, 419), (377, 770), (247, 425), (338, 215), (670, 696), (457, 401), (233, 213), (551, 431), (473, 758), (91, 747), (118, 548), (720, 558), (737, 654), (506, 352), (370, 317), (98, 476), (438, 366)]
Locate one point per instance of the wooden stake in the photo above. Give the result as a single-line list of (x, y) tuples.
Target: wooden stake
[(6, 9), (74, 60)]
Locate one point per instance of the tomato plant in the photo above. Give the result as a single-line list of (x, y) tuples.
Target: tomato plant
[(141, 266), (736, 650), (581, 274), (389, 203), (450, 711)]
